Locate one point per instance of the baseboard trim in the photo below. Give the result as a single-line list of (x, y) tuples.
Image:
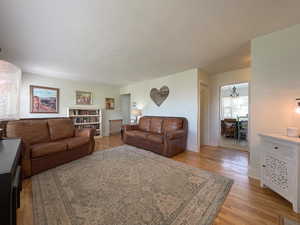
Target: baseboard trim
[(253, 173), (193, 148)]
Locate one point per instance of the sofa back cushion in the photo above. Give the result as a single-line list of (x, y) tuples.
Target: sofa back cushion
[(60, 128), (156, 125), (171, 124), (31, 131), (144, 124)]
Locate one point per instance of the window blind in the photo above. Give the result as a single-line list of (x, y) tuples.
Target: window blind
[(10, 81)]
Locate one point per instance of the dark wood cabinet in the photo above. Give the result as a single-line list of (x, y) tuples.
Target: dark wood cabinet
[(10, 180)]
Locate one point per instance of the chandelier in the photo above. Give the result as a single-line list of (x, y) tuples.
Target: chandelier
[(234, 93)]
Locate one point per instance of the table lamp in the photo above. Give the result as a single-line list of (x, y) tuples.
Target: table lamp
[(136, 113)]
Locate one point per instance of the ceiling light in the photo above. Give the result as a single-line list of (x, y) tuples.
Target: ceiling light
[(234, 93)]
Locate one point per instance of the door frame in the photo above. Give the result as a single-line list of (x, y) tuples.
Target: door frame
[(129, 106), (249, 110), (200, 82)]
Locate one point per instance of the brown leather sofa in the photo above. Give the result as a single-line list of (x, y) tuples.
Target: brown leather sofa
[(163, 135), (50, 142)]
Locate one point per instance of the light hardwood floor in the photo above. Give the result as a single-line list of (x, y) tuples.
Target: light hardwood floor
[(246, 204)]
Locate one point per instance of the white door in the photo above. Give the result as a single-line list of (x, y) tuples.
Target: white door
[(204, 115), (125, 108)]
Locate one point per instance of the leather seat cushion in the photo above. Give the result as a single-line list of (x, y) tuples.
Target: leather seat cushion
[(156, 125), (31, 131), (144, 124), (43, 149), (137, 133), (60, 128), (155, 138), (76, 142), (172, 124)]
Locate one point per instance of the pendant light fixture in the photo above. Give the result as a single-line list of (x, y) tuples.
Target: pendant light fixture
[(234, 93)]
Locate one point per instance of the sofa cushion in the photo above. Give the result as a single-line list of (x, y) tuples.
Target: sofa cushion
[(31, 131), (60, 128), (74, 142), (137, 133), (156, 125), (155, 138), (43, 149), (172, 124), (144, 124)]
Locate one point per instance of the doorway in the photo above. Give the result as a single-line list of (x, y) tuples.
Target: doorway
[(234, 116), (125, 108), (204, 115)]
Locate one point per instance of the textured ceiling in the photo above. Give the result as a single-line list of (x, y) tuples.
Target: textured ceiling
[(238, 59), (120, 42)]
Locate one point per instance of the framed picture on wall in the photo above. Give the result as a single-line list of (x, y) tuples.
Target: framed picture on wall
[(110, 103), (83, 98), (44, 99)]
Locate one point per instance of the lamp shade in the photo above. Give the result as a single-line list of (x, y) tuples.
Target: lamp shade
[(10, 81), (136, 112)]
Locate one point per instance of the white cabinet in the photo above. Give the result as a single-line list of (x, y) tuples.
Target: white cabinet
[(280, 166)]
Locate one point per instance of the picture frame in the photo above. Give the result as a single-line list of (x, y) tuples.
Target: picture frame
[(110, 103), (83, 98), (44, 99)]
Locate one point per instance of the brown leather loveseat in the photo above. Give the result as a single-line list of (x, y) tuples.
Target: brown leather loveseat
[(163, 135), (49, 143)]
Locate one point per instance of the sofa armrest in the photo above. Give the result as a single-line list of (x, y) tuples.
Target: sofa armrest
[(170, 135), (128, 127), (26, 159), (85, 132)]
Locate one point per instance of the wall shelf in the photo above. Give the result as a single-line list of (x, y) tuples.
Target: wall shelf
[(84, 115), (86, 123), (87, 118)]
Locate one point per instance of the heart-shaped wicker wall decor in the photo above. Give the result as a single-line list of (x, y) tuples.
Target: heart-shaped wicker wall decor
[(159, 96)]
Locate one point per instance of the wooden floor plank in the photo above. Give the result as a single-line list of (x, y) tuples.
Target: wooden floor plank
[(246, 204)]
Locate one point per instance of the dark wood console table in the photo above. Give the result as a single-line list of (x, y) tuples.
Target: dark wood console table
[(10, 180)]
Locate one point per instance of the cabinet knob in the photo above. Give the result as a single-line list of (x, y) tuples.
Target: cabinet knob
[(276, 147), (264, 166)]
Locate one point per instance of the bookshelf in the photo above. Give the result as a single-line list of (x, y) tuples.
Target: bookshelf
[(87, 118)]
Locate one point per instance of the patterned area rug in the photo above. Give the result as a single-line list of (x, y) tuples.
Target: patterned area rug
[(127, 186)]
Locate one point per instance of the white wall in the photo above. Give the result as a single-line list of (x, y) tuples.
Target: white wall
[(215, 82), (67, 89), (182, 100), (274, 87)]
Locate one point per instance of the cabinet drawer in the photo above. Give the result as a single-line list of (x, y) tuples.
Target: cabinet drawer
[(280, 149)]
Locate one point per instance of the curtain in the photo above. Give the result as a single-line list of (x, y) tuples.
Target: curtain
[(10, 81)]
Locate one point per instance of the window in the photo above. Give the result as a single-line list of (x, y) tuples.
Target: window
[(10, 79)]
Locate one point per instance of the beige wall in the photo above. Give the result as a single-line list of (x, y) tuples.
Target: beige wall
[(274, 87), (67, 96), (216, 81), (182, 100), (203, 76)]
